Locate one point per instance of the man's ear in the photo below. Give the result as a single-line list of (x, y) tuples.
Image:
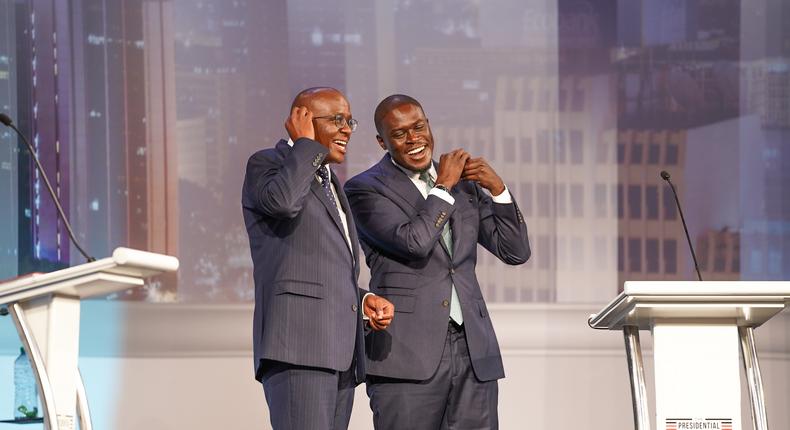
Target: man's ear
[(381, 142)]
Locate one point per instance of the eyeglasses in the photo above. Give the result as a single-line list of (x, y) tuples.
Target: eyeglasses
[(340, 121), (417, 128)]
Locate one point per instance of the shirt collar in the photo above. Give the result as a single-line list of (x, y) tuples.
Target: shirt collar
[(415, 175)]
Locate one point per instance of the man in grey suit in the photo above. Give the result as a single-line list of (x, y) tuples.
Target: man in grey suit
[(437, 365), (308, 330)]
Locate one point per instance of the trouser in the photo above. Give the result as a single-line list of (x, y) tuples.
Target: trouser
[(308, 398), (453, 398)]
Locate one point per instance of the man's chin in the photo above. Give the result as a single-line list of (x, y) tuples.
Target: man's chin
[(336, 158), (422, 166)]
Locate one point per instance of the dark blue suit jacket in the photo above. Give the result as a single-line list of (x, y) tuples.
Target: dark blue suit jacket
[(400, 232), (306, 294)]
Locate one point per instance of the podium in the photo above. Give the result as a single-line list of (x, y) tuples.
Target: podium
[(697, 327), (46, 312)]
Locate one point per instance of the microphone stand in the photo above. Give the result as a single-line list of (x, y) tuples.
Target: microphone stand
[(8, 123)]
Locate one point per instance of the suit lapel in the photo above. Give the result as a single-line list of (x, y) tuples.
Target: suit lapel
[(455, 219), (352, 231), (394, 178), (318, 191), (397, 181), (452, 221)]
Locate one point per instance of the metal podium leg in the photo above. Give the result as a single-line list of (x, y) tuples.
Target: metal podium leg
[(82, 405), (753, 378), (636, 371), (37, 362)]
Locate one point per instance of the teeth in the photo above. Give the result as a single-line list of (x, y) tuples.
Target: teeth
[(416, 150), (341, 142)]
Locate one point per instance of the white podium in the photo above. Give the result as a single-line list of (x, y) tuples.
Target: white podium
[(46, 312), (697, 327)]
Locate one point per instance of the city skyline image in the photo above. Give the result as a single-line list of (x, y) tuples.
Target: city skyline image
[(144, 113)]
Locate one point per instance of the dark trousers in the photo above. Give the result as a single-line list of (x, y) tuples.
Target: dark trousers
[(453, 398), (308, 398)]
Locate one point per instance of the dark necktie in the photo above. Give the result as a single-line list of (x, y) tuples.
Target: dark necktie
[(323, 173)]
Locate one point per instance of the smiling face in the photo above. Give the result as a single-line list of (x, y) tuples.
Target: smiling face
[(406, 135), (329, 103)]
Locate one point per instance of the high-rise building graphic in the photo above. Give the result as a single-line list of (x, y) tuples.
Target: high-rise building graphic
[(125, 120), (9, 148), (93, 89), (232, 99), (145, 111)]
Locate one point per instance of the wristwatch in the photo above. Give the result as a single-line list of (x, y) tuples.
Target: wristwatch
[(441, 187)]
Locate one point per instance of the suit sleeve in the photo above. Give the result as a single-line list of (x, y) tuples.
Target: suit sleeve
[(502, 229), (384, 225), (278, 188)]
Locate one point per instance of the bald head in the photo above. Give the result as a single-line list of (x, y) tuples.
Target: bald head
[(306, 97), (389, 104)]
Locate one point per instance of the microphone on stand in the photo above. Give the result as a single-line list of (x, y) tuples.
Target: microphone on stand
[(6, 120), (665, 176)]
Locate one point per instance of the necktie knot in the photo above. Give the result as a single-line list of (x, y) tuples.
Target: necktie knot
[(426, 177)]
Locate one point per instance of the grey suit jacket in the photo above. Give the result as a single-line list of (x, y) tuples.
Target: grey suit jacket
[(400, 232), (306, 293)]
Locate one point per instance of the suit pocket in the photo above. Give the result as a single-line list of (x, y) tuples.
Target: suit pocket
[(403, 303), (300, 288)]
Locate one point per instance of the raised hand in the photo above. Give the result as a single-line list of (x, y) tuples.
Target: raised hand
[(478, 170), (300, 123), (451, 166), (379, 310)]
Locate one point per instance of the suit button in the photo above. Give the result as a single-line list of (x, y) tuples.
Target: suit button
[(445, 303), (354, 307), (452, 271)]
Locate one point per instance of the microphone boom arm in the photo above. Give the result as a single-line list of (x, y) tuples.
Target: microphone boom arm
[(7, 121), (665, 176)]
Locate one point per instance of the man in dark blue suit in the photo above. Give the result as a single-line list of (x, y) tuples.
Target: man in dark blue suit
[(308, 332), (437, 365)]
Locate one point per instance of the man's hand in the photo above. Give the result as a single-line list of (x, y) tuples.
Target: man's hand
[(300, 124), (451, 166), (379, 310), (478, 170)]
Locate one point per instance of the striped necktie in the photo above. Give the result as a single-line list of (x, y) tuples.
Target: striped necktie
[(447, 237)]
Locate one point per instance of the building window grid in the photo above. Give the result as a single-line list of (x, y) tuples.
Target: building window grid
[(525, 146), (634, 202), (670, 256), (601, 203), (576, 144), (561, 197), (577, 200), (636, 153), (652, 256), (635, 255), (651, 202), (509, 150)]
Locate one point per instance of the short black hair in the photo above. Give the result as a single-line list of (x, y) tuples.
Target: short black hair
[(390, 103)]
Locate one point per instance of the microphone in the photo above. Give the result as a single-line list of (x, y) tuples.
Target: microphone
[(6, 120), (665, 176)]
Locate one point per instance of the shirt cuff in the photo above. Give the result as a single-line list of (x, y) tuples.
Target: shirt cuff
[(503, 198), (361, 308), (442, 194)]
